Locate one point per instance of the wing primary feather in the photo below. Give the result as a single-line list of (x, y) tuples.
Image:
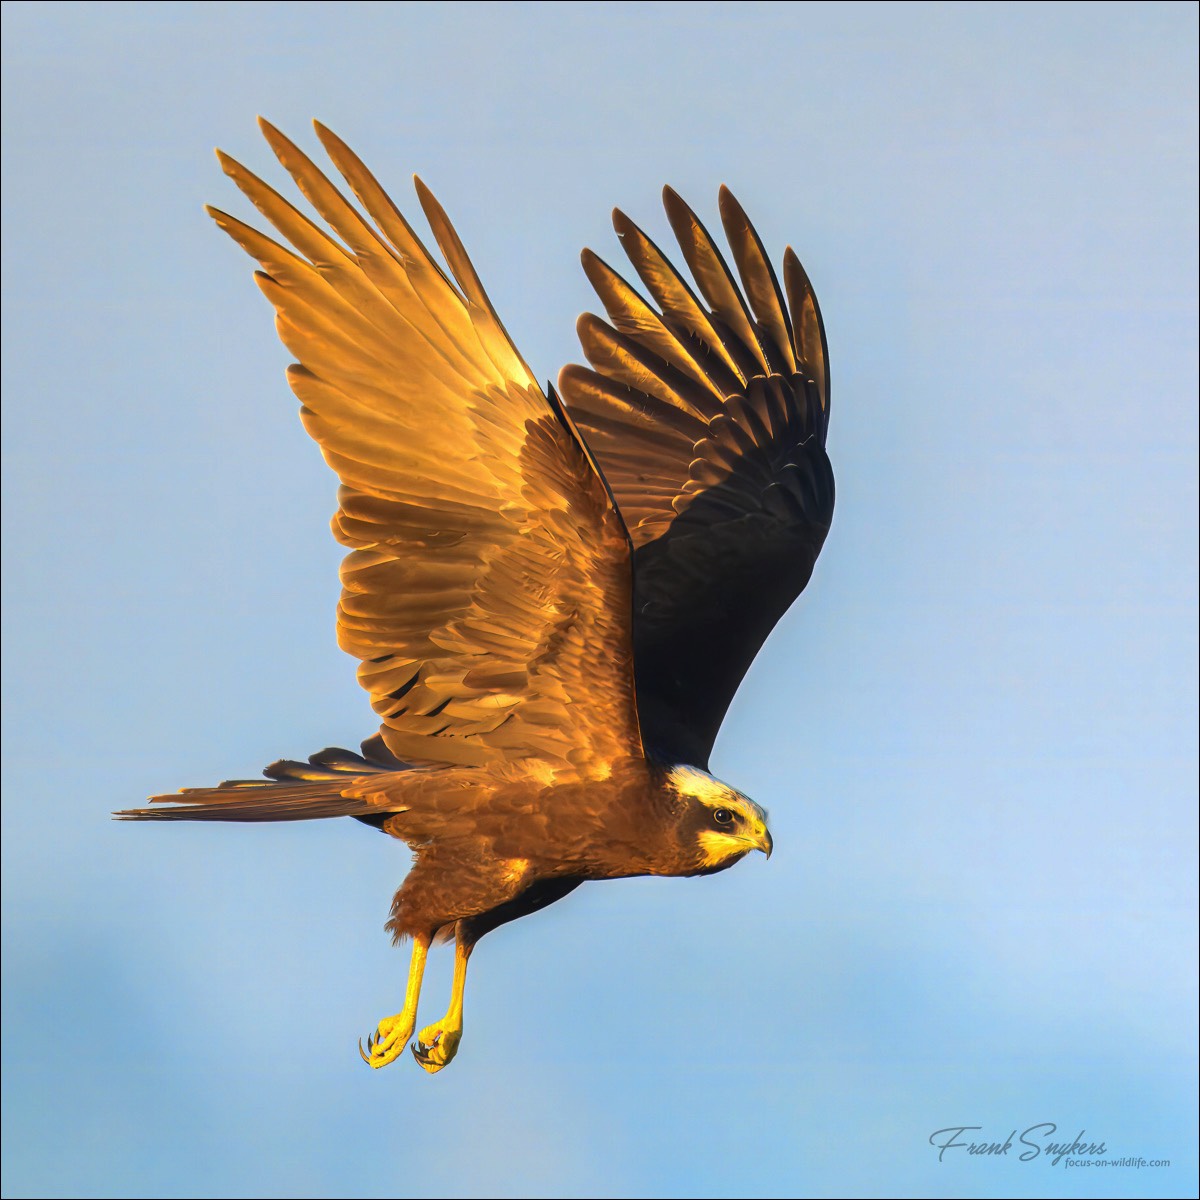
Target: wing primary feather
[(380, 206), (307, 237), (596, 394), (678, 302), (630, 361), (397, 271), (289, 271), (273, 256), (758, 278), (501, 348), (342, 216), (435, 291), (632, 316), (811, 347), (712, 275)]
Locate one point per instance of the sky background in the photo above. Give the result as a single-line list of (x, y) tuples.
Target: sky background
[(976, 731)]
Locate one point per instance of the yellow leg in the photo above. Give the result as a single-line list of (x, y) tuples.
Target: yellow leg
[(387, 1042), (437, 1044)]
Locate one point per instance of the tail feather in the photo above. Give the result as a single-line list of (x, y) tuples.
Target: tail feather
[(292, 791), (267, 802)]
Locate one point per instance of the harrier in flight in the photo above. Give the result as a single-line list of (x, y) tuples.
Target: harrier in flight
[(553, 596)]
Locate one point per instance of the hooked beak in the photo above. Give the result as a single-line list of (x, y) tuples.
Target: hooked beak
[(764, 842)]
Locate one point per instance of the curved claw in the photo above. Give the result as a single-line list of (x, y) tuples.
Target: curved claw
[(373, 1040), (438, 1052)]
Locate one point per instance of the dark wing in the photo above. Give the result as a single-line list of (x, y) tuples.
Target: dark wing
[(708, 417), (487, 591)]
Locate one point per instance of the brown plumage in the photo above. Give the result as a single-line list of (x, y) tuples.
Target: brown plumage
[(552, 603)]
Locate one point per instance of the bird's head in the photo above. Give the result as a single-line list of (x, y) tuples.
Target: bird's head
[(718, 826)]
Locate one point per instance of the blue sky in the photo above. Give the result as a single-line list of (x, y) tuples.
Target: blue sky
[(976, 731)]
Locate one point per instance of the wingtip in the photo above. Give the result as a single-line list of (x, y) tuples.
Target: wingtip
[(429, 202), (586, 322), (679, 213), (595, 268), (280, 143), (328, 138), (728, 202), (424, 195), (222, 218), (675, 205), (792, 266)]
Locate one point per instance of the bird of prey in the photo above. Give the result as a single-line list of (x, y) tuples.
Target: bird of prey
[(553, 595)]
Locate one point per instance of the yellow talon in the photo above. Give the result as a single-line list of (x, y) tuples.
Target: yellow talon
[(436, 1045), (387, 1042)]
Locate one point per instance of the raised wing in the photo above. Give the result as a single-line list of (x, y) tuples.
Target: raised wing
[(708, 417), (487, 591)]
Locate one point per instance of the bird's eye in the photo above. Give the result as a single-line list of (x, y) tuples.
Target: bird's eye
[(722, 816)]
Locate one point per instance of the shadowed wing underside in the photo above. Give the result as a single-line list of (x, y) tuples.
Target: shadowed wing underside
[(708, 417), (487, 592)]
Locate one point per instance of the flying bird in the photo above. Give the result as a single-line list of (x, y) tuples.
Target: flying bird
[(553, 595)]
